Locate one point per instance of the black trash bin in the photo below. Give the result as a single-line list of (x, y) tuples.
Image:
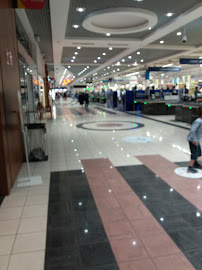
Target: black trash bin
[(37, 142)]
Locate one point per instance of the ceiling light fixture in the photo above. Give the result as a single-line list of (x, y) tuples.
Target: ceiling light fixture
[(99, 58), (110, 48), (95, 61), (179, 33), (108, 34), (69, 66), (75, 25), (142, 60), (76, 53), (162, 41), (169, 14), (79, 48), (118, 69), (168, 65), (138, 52), (104, 53), (80, 9), (72, 60), (123, 60), (129, 56), (149, 28), (74, 57)]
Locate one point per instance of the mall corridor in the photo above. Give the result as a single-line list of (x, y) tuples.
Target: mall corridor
[(110, 198)]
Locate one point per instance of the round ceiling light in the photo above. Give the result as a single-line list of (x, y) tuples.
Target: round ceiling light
[(120, 21)]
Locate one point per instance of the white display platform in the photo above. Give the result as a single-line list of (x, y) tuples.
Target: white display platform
[(182, 171), (171, 98)]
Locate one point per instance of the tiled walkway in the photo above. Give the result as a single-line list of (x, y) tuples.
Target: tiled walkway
[(104, 153)]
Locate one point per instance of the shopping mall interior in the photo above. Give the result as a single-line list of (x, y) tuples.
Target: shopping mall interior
[(100, 117)]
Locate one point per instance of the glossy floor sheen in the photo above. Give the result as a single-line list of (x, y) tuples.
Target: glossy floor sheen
[(138, 213)]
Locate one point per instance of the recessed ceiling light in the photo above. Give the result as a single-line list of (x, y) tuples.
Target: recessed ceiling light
[(108, 34), (76, 53), (149, 28), (108, 67), (135, 64), (162, 41), (87, 66), (142, 60), (162, 74), (118, 69), (69, 66), (110, 48), (104, 53), (123, 60), (128, 65), (74, 57), (75, 25), (114, 70), (95, 61), (99, 58), (80, 9), (138, 0), (200, 57), (138, 52), (72, 60), (179, 33), (169, 14), (79, 48), (129, 56)]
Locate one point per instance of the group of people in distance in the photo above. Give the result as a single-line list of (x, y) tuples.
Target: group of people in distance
[(83, 98)]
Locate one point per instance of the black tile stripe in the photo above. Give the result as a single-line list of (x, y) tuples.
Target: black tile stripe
[(71, 211), (75, 112), (160, 121), (103, 110), (90, 111), (180, 220)]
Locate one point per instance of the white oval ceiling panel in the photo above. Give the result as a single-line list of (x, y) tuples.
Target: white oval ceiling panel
[(120, 21)]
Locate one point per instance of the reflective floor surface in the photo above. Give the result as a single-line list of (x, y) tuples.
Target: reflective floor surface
[(110, 197)]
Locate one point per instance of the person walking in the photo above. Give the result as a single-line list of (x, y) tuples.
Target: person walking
[(194, 144)]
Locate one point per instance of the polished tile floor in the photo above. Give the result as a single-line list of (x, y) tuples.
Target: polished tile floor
[(110, 198)]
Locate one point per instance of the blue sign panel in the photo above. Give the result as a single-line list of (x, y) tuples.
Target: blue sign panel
[(147, 75), (191, 61), (165, 69)]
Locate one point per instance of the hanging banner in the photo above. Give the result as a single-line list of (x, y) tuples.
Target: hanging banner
[(190, 61), (29, 4), (165, 69)]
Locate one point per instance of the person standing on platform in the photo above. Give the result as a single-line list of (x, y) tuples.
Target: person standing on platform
[(86, 98), (194, 144)]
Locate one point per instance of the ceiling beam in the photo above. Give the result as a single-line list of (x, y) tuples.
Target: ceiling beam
[(169, 47)]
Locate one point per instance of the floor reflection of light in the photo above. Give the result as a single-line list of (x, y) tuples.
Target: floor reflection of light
[(134, 243), (54, 112), (109, 190), (198, 187)]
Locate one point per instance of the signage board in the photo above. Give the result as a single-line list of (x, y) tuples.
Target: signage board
[(190, 61), (165, 69), (29, 4)]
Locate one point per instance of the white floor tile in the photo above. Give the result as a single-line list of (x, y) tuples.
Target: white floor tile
[(8, 227), (6, 244), (4, 262), (27, 261), (35, 211), (10, 213), (35, 224), (29, 242)]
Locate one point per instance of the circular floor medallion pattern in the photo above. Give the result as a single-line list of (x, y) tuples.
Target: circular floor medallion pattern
[(120, 21), (110, 125), (182, 171), (137, 139)]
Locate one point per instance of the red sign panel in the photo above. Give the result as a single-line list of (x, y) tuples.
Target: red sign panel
[(31, 4)]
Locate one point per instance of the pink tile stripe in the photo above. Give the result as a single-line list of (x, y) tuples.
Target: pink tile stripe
[(67, 113), (189, 188), (137, 239)]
